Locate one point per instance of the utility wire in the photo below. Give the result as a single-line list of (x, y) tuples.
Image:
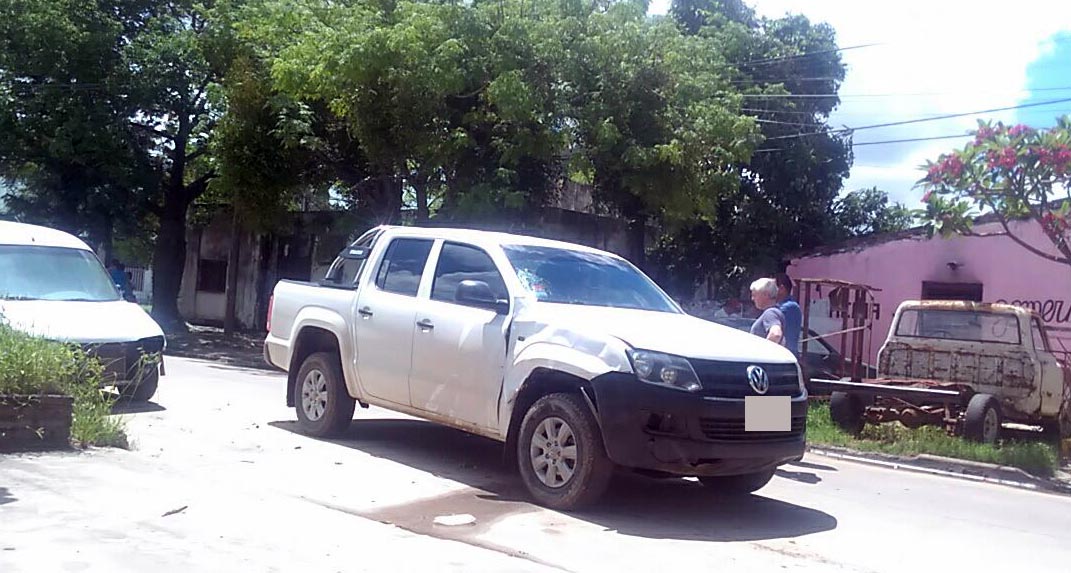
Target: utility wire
[(803, 55), (922, 120), (885, 142)]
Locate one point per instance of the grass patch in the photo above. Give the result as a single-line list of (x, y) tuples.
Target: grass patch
[(30, 365), (1038, 458)]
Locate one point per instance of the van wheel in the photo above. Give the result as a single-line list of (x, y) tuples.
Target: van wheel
[(144, 389), (560, 453), (738, 485), (324, 406), (983, 419), (847, 412)]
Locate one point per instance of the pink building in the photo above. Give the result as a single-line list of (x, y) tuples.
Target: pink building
[(909, 265)]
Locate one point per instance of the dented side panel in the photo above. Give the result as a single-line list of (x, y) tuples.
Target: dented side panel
[(537, 343)]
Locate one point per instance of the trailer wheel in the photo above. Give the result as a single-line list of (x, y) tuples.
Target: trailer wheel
[(847, 411), (983, 419)]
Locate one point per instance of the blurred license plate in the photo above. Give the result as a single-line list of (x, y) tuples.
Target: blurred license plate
[(767, 414)]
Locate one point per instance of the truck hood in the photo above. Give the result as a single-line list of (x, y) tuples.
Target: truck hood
[(678, 334), (80, 322)]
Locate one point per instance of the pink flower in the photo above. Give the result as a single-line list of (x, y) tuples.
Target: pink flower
[(983, 134), (1019, 129), (1058, 158), (1004, 159), (952, 165)]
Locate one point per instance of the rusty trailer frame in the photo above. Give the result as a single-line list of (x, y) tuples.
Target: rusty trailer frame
[(855, 305)]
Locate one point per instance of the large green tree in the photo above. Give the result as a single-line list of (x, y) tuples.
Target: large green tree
[(110, 102), (788, 71), (866, 212), (492, 103)]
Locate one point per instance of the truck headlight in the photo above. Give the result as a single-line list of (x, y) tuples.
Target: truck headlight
[(664, 370)]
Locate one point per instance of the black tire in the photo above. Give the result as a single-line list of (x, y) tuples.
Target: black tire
[(983, 419), (738, 485), (144, 389), (328, 410), (591, 469), (847, 412)]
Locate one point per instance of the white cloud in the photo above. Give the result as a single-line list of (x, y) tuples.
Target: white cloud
[(964, 55)]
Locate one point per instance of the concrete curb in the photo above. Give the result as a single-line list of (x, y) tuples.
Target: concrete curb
[(949, 467)]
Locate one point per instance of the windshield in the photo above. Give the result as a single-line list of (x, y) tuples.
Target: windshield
[(959, 325), (574, 277), (52, 273)]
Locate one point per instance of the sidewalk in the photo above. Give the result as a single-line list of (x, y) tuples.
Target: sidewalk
[(208, 343)]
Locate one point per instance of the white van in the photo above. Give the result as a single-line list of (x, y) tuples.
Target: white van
[(52, 285)]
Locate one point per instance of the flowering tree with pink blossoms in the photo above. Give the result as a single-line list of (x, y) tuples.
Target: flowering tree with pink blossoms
[(1015, 173)]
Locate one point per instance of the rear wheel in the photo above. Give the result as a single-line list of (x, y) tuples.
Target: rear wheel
[(847, 412), (983, 419), (738, 485), (324, 406), (560, 453)]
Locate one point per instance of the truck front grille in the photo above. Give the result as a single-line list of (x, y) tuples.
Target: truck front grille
[(727, 430), (725, 379)]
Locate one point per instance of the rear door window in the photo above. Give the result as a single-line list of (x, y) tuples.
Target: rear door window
[(403, 265)]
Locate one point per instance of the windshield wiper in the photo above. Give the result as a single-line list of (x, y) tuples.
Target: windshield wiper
[(16, 297)]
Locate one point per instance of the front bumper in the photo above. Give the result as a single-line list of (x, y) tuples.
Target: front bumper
[(659, 429)]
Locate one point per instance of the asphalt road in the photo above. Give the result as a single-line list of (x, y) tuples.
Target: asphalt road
[(218, 480)]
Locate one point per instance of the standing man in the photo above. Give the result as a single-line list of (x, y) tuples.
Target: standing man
[(792, 311), (771, 323)]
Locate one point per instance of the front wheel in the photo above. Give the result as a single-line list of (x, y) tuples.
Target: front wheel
[(847, 412), (324, 406), (144, 388), (739, 484), (560, 453)]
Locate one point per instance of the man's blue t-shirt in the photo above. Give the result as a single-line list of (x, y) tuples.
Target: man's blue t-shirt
[(793, 323)]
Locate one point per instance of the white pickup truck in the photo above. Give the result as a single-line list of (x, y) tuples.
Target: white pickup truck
[(571, 356)]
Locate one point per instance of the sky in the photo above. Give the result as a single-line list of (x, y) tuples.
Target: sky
[(936, 57)]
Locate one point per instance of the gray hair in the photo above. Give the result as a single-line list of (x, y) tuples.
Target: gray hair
[(766, 286)]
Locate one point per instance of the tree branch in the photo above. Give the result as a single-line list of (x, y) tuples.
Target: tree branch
[(196, 153), (153, 131), (1007, 233), (198, 186)]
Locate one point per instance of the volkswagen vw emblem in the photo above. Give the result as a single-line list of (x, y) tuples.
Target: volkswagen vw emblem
[(758, 379)]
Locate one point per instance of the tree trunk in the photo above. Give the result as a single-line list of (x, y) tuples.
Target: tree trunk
[(169, 262), (637, 241), (230, 313), (106, 241), (422, 213)]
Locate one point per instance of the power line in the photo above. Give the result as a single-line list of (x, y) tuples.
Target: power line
[(884, 142), (803, 55), (914, 94), (912, 140), (922, 120)]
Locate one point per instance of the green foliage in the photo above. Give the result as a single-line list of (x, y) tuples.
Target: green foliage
[(893, 438), (785, 199), (868, 211), (1014, 173), (30, 365)]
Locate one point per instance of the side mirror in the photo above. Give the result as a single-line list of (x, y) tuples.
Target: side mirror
[(478, 294)]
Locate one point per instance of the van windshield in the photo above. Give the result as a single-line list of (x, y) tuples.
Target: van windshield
[(53, 273)]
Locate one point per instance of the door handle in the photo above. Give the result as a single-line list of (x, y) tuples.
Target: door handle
[(365, 312), (425, 325)]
